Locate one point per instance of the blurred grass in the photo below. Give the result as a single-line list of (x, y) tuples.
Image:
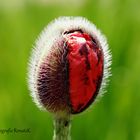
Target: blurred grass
[(117, 115)]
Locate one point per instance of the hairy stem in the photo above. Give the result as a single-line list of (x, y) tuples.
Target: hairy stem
[(62, 128)]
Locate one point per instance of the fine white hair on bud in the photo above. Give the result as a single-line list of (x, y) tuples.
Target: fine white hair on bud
[(52, 80)]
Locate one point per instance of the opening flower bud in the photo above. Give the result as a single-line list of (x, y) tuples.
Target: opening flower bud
[(69, 65)]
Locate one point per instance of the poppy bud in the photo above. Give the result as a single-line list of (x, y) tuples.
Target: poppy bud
[(69, 66)]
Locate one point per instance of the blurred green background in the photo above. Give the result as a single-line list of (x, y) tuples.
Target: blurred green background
[(117, 115)]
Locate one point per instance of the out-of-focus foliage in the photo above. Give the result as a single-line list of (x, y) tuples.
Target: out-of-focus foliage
[(117, 115)]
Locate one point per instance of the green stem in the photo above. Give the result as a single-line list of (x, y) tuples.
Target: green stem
[(62, 128)]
